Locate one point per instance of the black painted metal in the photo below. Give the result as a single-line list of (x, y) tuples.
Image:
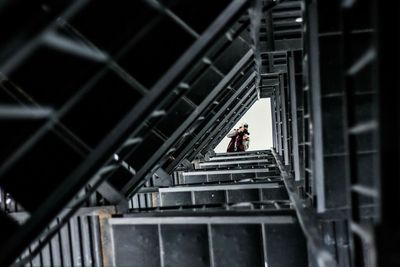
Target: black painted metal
[(80, 241), (95, 110), (195, 222), (295, 157), (232, 118), (308, 221), (60, 179), (243, 93), (224, 130), (184, 126), (335, 156), (387, 227)]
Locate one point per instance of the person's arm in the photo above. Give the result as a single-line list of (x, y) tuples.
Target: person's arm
[(232, 133), (246, 142)]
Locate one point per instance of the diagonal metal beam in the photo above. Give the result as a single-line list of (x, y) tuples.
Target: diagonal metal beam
[(104, 151), (20, 46), (190, 155), (225, 127), (204, 138), (73, 47), (248, 58), (222, 128), (24, 112), (190, 146), (146, 169)]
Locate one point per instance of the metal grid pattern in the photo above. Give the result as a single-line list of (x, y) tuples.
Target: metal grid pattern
[(69, 140), (333, 153), (77, 244)]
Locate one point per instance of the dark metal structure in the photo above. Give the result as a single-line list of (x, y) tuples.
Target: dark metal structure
[(110, 113)]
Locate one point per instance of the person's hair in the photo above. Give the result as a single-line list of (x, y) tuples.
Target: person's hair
[(245, 131)]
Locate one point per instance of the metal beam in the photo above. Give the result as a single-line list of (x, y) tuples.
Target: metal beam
[(272, 219), (223, 128), (388, 229), (206, 127), (316, 116), (237, 186), (256, 161), (67, 45), (14, 112), (102, 154), (278, 119), (235, 155), (284, 114), (274, 128), (20, 46), (226, 171), (295, 129), (308, 221), (233, 121), (146, 169)]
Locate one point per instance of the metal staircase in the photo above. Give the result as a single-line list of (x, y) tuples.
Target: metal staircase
[(232, 210), (109, 114), (90, 115)]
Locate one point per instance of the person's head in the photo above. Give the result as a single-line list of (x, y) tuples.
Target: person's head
[(244, 127)]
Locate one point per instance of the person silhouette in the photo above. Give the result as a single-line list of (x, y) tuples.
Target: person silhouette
[(240, 139)]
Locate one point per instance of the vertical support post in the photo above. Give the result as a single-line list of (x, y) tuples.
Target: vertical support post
[(274, 128), (388, 229), (270, 32), (106, 237), (315, 90), (278, 119), (284, 120), (295, 139)]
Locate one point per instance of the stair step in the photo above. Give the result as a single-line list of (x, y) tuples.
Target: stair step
[(240, 157), (262, 179), (288, 4), (238, 163), (243, 206), (225, 171), (288, 22), (244, 153), (225, 175), (286, 14), (253, 240), (236, 168), (212, 194)]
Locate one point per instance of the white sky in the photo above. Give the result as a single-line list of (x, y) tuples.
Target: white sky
[(260, 127)]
